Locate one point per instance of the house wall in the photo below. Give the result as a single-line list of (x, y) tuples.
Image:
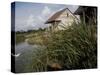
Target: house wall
[(67, 19), (49, 27)]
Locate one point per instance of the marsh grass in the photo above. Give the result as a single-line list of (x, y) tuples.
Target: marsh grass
[(74, 48)]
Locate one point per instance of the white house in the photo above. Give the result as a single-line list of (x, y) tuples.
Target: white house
[(61, 20)]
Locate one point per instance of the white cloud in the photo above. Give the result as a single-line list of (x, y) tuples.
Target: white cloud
[(46, 11), (45, 14), (30, 20), (40, 18), (38, 21)]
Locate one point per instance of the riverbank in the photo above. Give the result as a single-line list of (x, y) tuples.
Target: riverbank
[(37, 39), (33, 38)]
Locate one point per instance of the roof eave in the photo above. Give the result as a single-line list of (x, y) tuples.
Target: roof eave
[(47, 22)]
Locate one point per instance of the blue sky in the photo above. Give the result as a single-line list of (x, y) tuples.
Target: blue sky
[(33, 15)]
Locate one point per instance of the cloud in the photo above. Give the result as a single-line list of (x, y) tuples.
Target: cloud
[(37, 21), (46, 11), (30, 20), (45, 14), (40, 19)]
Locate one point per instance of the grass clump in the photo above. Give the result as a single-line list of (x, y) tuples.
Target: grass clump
[(74, 48)]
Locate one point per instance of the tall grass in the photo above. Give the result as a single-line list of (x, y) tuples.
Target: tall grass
[(74, 48)]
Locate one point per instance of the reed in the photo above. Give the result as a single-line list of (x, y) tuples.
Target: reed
[(74, 48)]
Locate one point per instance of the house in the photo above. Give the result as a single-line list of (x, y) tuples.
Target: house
[(87, 14), (61, 20)]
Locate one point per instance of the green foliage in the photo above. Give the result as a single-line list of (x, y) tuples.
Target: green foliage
[(74, 48)]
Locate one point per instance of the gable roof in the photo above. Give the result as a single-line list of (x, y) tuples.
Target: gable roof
[(56, 15)]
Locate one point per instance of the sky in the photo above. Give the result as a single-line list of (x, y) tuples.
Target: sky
[(32, 16)]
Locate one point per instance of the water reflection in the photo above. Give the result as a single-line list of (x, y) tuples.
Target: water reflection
[(24, 60)]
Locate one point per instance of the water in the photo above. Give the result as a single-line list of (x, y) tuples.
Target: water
[(24, 46), (24, 56)]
